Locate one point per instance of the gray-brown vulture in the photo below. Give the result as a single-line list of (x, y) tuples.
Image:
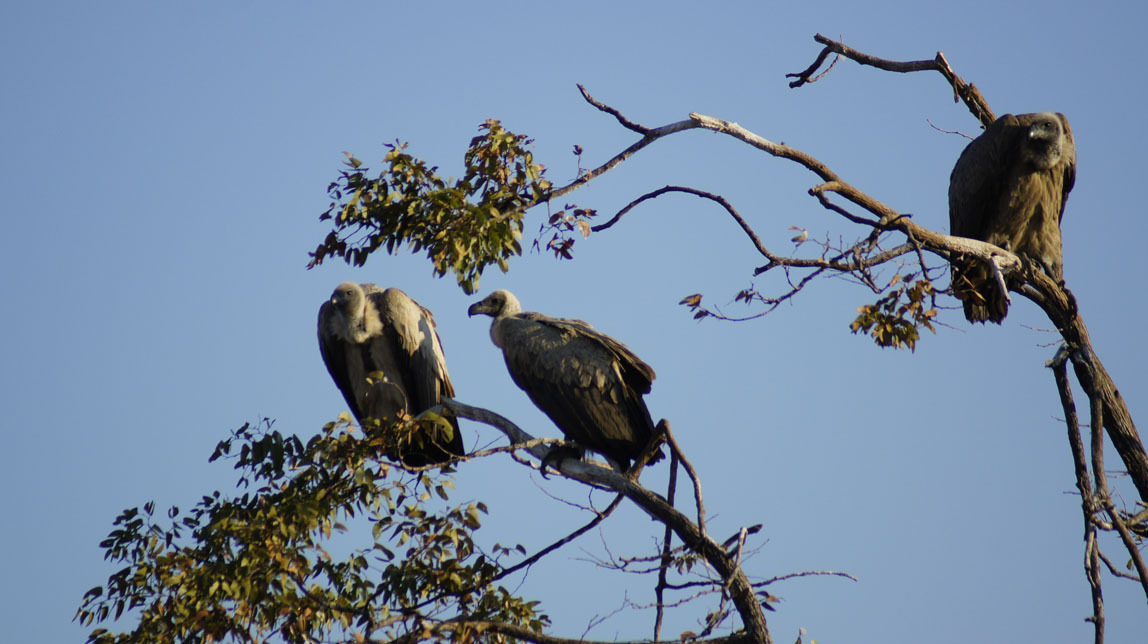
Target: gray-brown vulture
[(364, 329), (588, 383), (1009, 188)]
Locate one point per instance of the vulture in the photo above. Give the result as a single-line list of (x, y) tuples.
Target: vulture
[(1009, 188), (364, 329), (588, 383)]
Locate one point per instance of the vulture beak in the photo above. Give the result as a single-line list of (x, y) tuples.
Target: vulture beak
[(475, 308)]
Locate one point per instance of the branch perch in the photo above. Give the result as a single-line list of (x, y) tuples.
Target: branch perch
[(740, 589)]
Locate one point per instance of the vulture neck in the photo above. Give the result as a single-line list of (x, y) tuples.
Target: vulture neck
[(364, 323), (501, 322), (497, 329)]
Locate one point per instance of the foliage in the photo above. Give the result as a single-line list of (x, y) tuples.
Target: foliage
[(895, 319), (260, 564), (464, 226), (561, 226)]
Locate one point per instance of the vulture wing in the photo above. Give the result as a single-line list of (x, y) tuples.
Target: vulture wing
[(589, 384), (411, 346), (1069, 165), (351, 364), (344, 362), (977, 180), (976, 188)]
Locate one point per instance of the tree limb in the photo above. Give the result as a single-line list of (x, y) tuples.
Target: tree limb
[(1087, 500), (741, 592)]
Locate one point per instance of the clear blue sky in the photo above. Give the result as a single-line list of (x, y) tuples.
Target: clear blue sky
[(162, 172)]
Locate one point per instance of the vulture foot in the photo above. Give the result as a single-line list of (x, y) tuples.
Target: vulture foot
[(556, 455)]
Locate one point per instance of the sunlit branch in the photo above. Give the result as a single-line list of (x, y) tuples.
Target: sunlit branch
[(740, 590)]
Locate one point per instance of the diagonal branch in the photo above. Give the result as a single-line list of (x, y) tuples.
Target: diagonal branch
[(741, 592), (1096, 418), (1087, 500)]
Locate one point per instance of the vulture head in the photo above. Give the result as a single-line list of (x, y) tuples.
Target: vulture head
[(1046, 143), (350, 319), (498, 304), (348, 297)]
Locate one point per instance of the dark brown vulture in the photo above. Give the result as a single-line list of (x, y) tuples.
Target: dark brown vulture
[(1009, 188), (588, 383), (365, 329)]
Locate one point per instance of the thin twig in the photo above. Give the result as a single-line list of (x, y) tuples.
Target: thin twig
[(626, 123), (693, 474), (1114, 571)]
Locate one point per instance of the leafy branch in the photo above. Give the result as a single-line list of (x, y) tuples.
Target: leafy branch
[(464, 225)]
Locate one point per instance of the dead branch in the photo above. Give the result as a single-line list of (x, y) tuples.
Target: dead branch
[(962, 91), (1114, 571), (693, 474), (626, 123), (531, 560), (1087, 500)]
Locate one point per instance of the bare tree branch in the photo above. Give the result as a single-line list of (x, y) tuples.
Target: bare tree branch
[(1087, 500), (963, 91), (626, 123), (1097, 420), (741, 592), (665, 558), (806, 573)]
